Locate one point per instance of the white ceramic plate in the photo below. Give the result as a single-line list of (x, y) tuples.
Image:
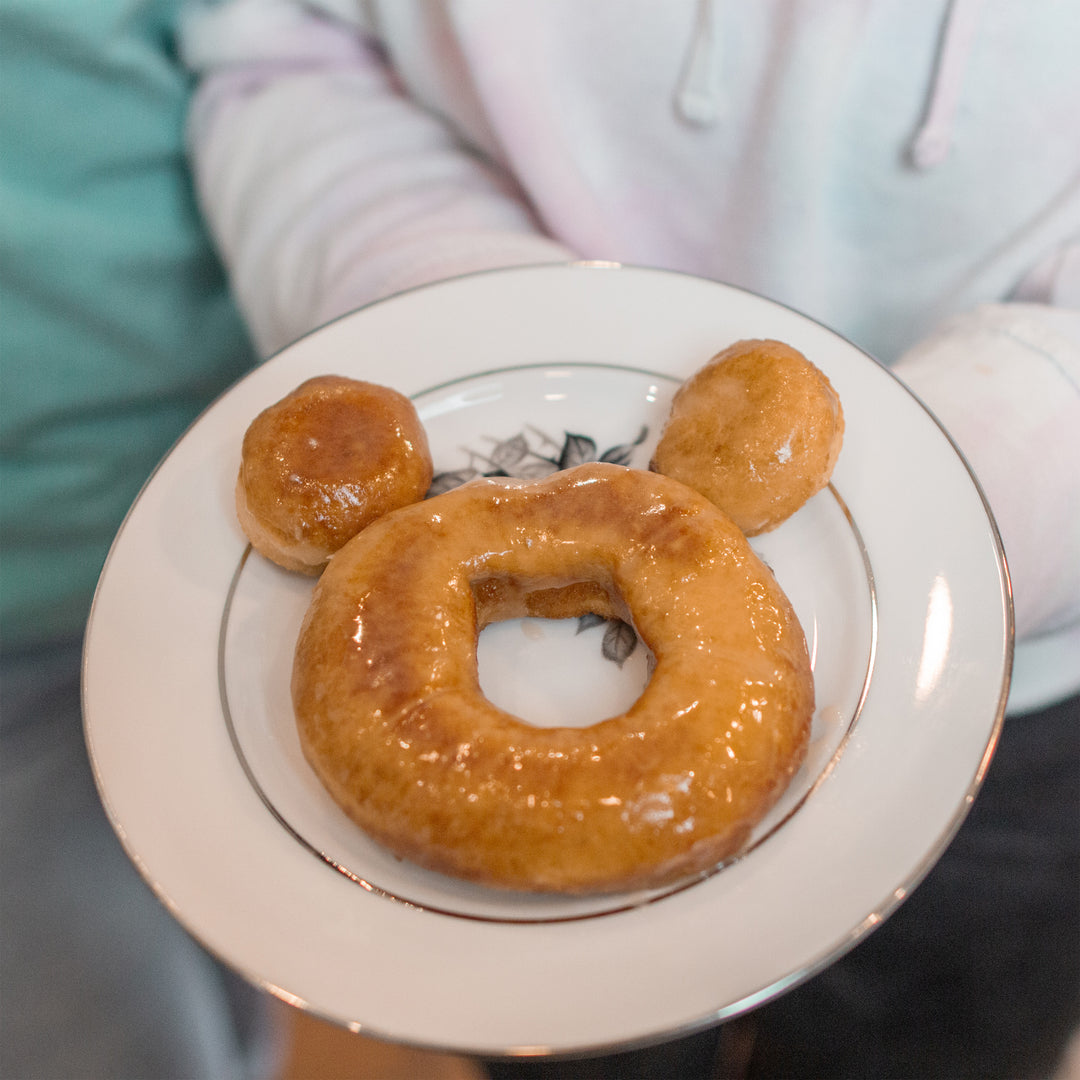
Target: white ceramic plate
[(896, 573)]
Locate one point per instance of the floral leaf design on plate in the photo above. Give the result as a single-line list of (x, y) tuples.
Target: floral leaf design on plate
[(446, 481), (531, 454), (621, 455), (589, 620), (577, 450), (620, 640), (509, 453)]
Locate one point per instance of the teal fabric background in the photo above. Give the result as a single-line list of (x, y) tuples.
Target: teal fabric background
[(115, 324)]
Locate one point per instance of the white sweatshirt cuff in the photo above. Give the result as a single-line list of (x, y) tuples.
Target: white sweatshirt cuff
[(1004, 380)]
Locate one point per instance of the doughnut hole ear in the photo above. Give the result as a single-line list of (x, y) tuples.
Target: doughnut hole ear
[(325, 462), (757, 431)]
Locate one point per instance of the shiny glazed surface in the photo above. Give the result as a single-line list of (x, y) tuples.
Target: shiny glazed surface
[(391, 716), (757, 431), (325, 461)]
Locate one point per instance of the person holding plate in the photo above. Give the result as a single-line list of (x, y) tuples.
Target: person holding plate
[(907, 175), (117, 330)]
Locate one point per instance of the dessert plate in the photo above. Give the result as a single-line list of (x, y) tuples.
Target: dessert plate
[(895, 571)]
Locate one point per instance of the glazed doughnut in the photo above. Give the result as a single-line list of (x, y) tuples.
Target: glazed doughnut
[(325, 461), (392, 718), (757, 431)]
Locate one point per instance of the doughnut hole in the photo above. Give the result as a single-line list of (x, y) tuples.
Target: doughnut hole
[(558, 657)]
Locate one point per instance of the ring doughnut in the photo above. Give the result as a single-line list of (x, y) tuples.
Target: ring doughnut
[(757, 431), (392, 718), (325, 461)]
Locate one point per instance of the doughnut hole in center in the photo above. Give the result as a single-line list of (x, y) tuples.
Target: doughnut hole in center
[(573, 660)]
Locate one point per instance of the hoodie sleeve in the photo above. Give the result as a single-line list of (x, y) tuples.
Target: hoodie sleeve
[(1004, 380), (326, 188)]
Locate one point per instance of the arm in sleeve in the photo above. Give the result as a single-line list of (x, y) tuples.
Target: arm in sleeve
[(1004, 380), (323, 185)]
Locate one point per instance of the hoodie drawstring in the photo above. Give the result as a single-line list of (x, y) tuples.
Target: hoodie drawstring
[(699, 94), (697, 98), (933, 140)]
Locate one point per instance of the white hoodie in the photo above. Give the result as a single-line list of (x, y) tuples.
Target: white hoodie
[(905, 172)]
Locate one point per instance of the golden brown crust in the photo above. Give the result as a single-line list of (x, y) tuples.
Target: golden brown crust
[(325, 461), (391, 716), (757, 431)]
